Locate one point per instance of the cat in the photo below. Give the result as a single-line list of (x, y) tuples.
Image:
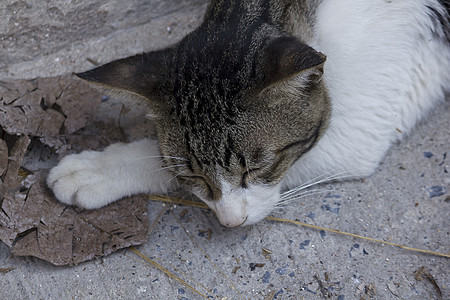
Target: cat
[(265, 96)]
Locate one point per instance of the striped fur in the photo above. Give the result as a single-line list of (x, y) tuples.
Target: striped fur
[(248, 104)]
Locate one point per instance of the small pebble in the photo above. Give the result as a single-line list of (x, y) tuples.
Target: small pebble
[(436, 191), (282, 270), (311, 215), (331, 209), (304, 244), (266, 277), (428, 154)]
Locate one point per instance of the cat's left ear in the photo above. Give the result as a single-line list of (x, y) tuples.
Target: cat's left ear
[(140, 75), (286, 57)]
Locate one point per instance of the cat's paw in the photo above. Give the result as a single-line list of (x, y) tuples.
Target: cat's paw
[(81, 180)]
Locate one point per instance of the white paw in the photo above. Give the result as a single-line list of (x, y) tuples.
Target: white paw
[(82, 180), (94, 179)]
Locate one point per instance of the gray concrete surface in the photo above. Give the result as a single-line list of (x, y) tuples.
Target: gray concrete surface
[(406, 201), (49, 38)]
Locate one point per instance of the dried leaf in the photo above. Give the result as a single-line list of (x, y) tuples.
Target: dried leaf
[(37, 225), (32, 222), (3, 157), (46, 106), (10, 179)]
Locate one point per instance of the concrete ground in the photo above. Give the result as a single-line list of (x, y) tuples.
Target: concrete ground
[(406, 201)]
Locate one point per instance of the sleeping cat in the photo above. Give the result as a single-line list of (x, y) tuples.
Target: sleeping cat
[(266, 95)]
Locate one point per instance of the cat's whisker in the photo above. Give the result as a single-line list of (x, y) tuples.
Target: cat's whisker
[(305, 194), (170, 167), (308, 184), (283, 197), (318, 180), (286, 201), (162, 156), (176, 175), (327, 178)]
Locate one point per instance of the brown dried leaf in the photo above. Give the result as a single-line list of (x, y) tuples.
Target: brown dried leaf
[(37, 225), (46, 106), (32, 222), (3, 157), (10, 179), (78, 102)]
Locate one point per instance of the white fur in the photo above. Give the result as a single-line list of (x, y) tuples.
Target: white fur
[(384, 71), (240, 206), (94, 179)]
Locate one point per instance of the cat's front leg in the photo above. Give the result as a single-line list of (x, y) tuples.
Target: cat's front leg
[(93, 179)]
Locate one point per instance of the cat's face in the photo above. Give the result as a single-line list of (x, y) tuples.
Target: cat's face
[(235, 161), (229, 125)]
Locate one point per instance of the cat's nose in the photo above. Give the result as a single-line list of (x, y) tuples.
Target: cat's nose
[(231, 209), (233, 222)]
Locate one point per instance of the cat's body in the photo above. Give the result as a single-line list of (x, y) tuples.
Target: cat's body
[(246, 108)]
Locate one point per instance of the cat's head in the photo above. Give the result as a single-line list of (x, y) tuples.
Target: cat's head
[(231, 119)]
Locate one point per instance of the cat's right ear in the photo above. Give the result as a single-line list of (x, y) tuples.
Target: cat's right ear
[(286, 57), (140, 75)]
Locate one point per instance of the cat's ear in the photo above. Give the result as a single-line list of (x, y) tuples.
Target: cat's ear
[(286, 57), (139, 75)]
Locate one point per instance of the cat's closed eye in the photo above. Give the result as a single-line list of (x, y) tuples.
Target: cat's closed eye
[(248, 176)]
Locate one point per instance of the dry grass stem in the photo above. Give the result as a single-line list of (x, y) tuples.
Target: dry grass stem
[(173, 200)]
